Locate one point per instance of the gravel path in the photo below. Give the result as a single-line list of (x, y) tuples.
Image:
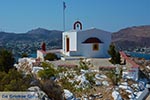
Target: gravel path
[(96, 62)]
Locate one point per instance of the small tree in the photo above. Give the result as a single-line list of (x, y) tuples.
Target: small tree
[(24, 55), (112, 53), (115, 55), (6, 60), (118, 58)]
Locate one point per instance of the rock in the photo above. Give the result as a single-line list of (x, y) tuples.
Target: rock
[(84, 71), (124, 83), (68, 95), (116, 95), (131, 96), (84, 97), (71, 81), (39, 93), (141, 85), (148, 67), (98, 83), (100, 77), (36, 69), (105, 83), (83, 81)]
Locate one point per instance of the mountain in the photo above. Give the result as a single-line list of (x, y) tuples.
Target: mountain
[(45, 34), (30, 41), (132, 37), (33, 35)]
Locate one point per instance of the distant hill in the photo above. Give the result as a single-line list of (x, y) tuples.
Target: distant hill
[(38, 34), (132, 37), (128, 38), (30, 41)]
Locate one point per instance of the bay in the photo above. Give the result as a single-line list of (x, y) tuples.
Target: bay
[(139, 55)]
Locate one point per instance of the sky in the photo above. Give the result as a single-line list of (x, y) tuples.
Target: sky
[(110, 15)]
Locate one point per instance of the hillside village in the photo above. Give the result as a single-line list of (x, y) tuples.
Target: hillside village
[(84, 71)]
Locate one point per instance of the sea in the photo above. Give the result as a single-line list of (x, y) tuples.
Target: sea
[(139, 55), (33, 55), (132, 54)]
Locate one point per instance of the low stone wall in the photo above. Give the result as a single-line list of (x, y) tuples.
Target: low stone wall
[(144, 95), (106, 68)]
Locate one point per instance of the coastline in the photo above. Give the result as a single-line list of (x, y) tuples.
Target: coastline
[(138, 55)]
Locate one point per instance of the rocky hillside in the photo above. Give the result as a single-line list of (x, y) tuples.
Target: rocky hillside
[(132, 37)]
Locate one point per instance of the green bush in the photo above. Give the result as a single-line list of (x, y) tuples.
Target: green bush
[(52, 89), (83, 65), (14, 81), (48, 71), (67, 85), (89, 77), (51, 57), (6, 60), (115, 78)]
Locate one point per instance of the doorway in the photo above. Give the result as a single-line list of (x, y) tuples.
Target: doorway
[(67, 44)]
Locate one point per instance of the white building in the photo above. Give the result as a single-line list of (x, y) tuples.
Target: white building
[(87, 43), (41, 54)]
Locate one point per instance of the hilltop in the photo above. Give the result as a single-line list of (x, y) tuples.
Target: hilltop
[(132, 37), (32, 35)]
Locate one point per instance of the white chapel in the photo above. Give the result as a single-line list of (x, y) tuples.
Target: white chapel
[(92, 43)]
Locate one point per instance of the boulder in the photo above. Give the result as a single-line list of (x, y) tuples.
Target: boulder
[(68, 95)]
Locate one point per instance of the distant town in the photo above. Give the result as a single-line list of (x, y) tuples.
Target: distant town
[(20, 47)]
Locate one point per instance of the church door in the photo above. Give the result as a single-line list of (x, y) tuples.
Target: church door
[(67, 44)]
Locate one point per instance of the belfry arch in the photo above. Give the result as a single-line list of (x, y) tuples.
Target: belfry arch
[(77, 24)]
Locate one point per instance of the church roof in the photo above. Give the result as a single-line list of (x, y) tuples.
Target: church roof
[(92, 40)]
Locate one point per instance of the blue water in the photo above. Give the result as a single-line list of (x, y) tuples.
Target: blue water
[(139, 55), (34, 55), (132, 54)]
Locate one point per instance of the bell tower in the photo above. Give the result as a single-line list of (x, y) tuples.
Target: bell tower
[(43, 46), (78, 25)]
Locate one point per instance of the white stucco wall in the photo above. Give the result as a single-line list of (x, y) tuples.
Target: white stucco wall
[(89, 52), (77, 48), (102, 35), (73, 41), (40, 55)]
